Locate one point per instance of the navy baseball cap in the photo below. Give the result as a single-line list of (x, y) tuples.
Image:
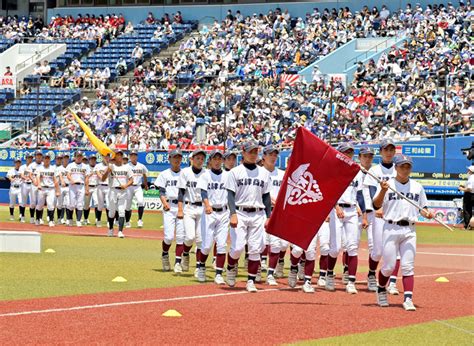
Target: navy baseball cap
[(175, 152), (250, 146), (386, 142), (197, 152), (401, 159), (270, 149), (214, 153), (229, 153), (345, 146), (366, 150), (119, 151)]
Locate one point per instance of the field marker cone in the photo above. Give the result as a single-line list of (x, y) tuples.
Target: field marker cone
[(119, 279), (49, 251), (441, 279), (171, 313)]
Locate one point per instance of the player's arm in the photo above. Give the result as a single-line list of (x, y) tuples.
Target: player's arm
[(181, 193), (205, 200), (9, 176), (56, 185), (232, 207), (379, 197), (86, 181), (37, 180), (425, 212), (145, 182), (106, 173), (69, 177), (130, 180), (163, 198)]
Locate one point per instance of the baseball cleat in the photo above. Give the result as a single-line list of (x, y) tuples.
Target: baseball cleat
[(372, 283), (32, 220), (185, 263), (22, 220), (120, 234), (408, 305), (63, 222), (330, 284), (177, 268), (322, 281), (41, 221), (392, 289), (219, 280), (165, 261), (292, 278), (263, 266), (301, 270), (382, 299), (279, 269), (78, 223), (345, 278), (250, 287), (98, 224), (196, 273), (12, 218), (52, 224), (139, 223), (201, 274), (271, 281), (128, 225), (258, 278), (231, 274), (110, 233), (86, 222), (308, 288), (37, 223), (350, 288)]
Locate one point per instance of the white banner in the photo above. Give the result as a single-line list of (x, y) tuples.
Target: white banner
[(7, 82)]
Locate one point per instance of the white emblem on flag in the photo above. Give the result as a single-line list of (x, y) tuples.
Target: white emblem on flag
[(302, 188)]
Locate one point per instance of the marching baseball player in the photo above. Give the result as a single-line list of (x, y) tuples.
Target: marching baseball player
[(135, 191), (26, 184), (344, 224), (250, 207), (91, 198), (167, 184), (63, 199), (48, 190), (230, 160), (78, 176), (34, 188), (399, 234), (212, 184), (120, 178), (14, 176), (277, 245), (384, 171), (190, 206), (102, 190)]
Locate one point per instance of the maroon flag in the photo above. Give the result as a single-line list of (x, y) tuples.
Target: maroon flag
[(316, 176)]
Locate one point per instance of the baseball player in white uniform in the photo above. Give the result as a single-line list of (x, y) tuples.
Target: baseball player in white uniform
[(190, 206), (78, 176), (136, 191), (277, 245), (250, 207), (48, 190), (468, 198), (120, 178), (344, 224), (62, 202), (34, 189), (91, 199), (167, 184), (399, 234), (102, 190), (14, 176), (212, 184), (26, 184), (384, 171)]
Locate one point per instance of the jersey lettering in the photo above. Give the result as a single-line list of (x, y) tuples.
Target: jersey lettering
[(250, 182), (392, 196)]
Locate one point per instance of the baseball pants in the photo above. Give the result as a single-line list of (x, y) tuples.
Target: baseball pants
[(192, 225), (345, 230), (276, 244), (137, 193), (91, 200), (76, 197), (118, 202), (48, 195), (216, 227), (323, 237), (102, 197), (250, 230), (25, 193), (172, 225), (377, 237), (15, 195), (402, 240), (33, 195), (370, 239), (63, 200)]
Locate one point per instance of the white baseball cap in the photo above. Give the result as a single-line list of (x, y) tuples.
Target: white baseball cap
[(471, 168)]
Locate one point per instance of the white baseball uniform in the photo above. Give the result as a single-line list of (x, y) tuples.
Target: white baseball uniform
[(34, 190), (119, 175), (91, 199), (276, 178), (249, 185), (103, 188), (192, 206), (401, 238), (26, 183), (78, 172), (216, 225), (135, 190), (310, 254), (168, 181), (382, 173), (15, 194), (63, 200), (47, 192)]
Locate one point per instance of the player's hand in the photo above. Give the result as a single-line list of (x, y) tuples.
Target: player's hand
[(124, 186), (63, 184), (146, 187), (87, 193), (339, 212), (384, 185), (267, 222), (427, 214), (180, 214), (166, 207), (365, 222), (208, 209), (327, 219), (58, 194), (379, 213), (359, 212), (233, 220)]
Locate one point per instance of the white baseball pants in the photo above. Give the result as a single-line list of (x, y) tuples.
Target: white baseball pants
[(216, 227), (118, 202), (63, 200), (91, 200), (192, 225), (398, 239), (250, 230), (25, 193), (344, 233), (172, 225), (102, 197), (48, 195), (15, 195), (137, 193), (322, 236), (76, 197)]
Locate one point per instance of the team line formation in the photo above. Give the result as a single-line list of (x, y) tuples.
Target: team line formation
[(201, 206)]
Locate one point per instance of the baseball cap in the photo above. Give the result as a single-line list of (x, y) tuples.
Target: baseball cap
[(214, 153), (250, 146), (59, 156), (92, 156), (401, 159), (29, 155), (47, 155), (366, 150), (119, 151), (386, 142), (229, 153), (197, 152), (66, 155), (270, 149), (38, 152), (175, 152), (78, 153), (134, 152), (345, 146), (471, 168), (17, 160)]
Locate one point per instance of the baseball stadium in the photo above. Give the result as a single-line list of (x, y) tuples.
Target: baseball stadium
[(236, 171)]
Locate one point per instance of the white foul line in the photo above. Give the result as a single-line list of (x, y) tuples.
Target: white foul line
[(444, 254), (162, 300), (454, 327)]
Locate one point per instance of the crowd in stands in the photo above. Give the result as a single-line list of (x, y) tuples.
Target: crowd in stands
[(401, 95)]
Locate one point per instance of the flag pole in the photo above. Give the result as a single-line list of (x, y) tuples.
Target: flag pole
[(406, 199)]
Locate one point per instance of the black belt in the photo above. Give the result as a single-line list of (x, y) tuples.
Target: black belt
[(78, 183), (198, 204), (47, 187), (345, 205), (218, 210), (369, 211), (92, 185), (119, 188), (16, 185), (401, 223), (174, 201), (249, 210), (66, 185), (28, 182), (104, 184)]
